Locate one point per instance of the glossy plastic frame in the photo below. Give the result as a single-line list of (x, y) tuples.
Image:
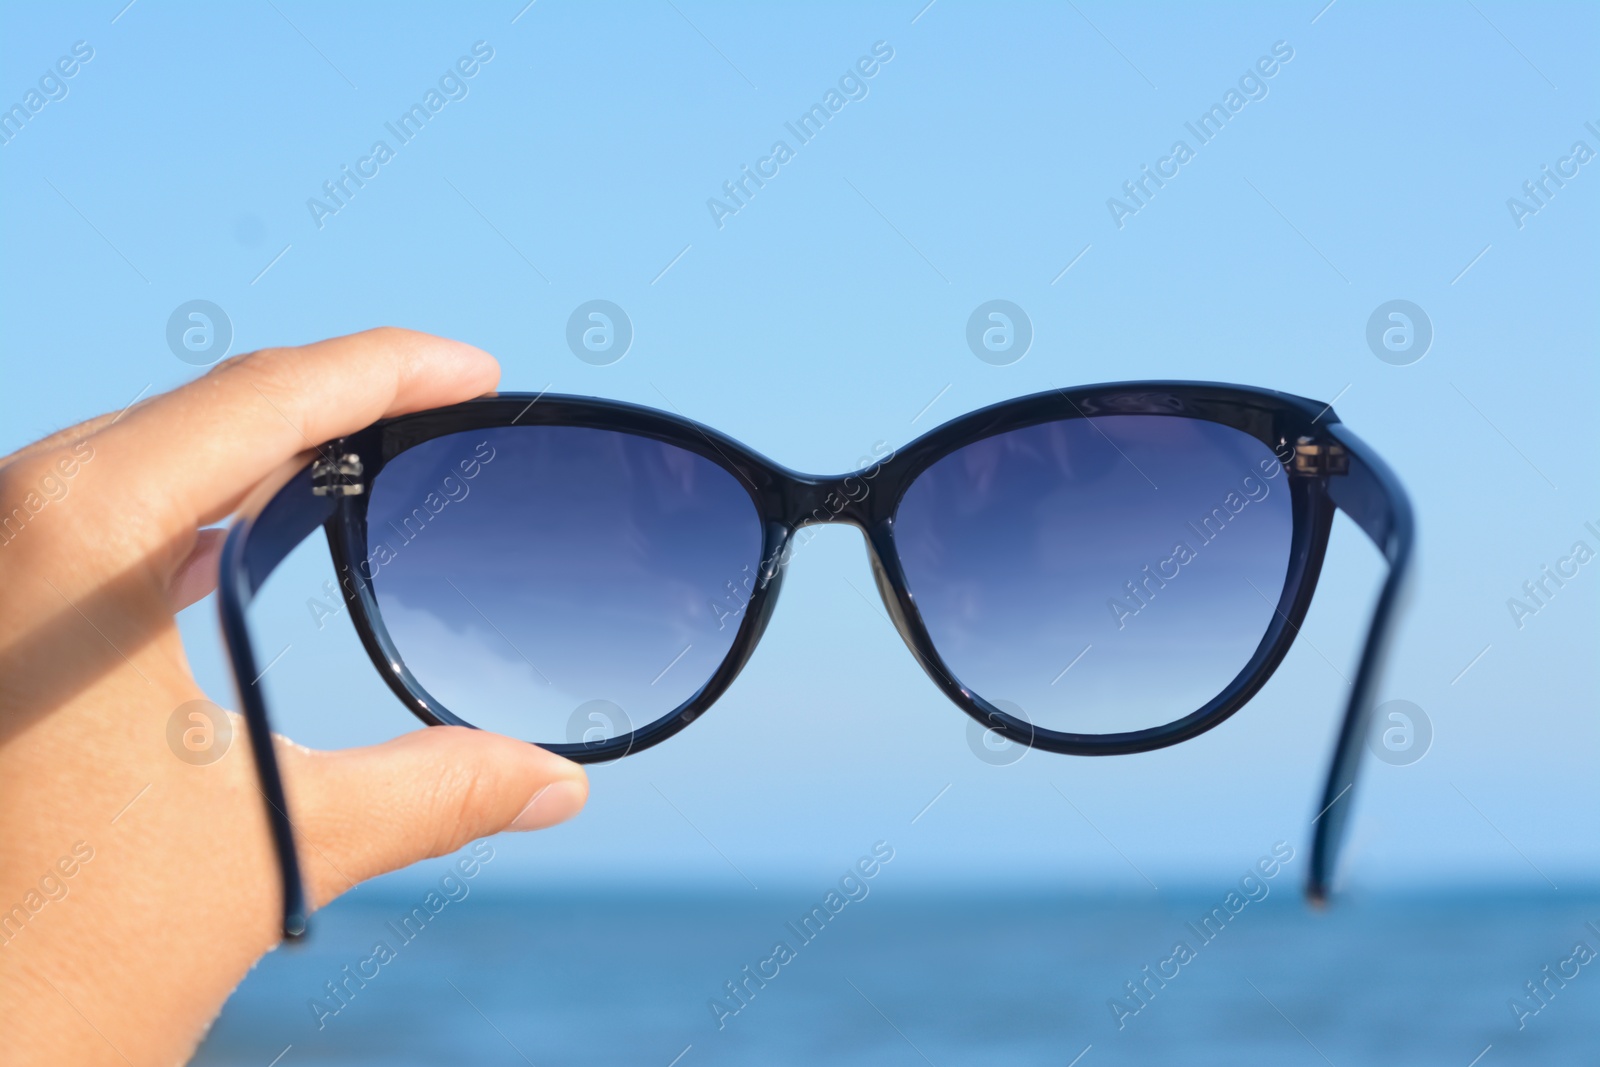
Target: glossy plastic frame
[(1328, 468)]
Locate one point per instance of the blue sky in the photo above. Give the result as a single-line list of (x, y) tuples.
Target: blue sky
[(830, 312)]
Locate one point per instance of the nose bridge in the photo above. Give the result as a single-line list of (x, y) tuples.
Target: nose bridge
[(814, 500), (853, 499)]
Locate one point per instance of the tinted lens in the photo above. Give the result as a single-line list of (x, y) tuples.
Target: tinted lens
[(560, 584), (1104, 574)]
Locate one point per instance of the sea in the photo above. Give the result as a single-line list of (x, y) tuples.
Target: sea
[(872, 977)]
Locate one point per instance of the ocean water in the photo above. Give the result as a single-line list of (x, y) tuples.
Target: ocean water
[(913, 977)]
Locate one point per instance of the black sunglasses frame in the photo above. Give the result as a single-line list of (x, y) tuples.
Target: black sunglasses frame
[(1328, 469)]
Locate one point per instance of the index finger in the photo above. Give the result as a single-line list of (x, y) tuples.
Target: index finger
[(185, 457)]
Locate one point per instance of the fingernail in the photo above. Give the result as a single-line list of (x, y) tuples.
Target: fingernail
[(555, 803)]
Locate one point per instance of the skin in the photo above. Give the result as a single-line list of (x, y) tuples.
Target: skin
[(180, 896)]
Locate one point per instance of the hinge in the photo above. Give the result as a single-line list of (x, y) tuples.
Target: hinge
[(337, 476), (1316, 458)]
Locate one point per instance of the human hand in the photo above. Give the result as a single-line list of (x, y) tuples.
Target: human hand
[(122, 928)]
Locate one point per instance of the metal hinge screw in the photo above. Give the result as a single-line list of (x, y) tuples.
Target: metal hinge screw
[(337, 476), (1318, 458)]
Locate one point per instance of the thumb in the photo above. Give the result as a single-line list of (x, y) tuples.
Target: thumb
[(361, 812)]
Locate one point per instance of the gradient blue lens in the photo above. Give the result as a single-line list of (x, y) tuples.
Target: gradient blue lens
[(1103, 574), (560, 584)]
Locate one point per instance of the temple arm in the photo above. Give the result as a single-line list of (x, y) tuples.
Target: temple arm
[(1370, 494), (269, 527)]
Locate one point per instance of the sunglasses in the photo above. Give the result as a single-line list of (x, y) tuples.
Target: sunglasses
[(1091, 571)]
